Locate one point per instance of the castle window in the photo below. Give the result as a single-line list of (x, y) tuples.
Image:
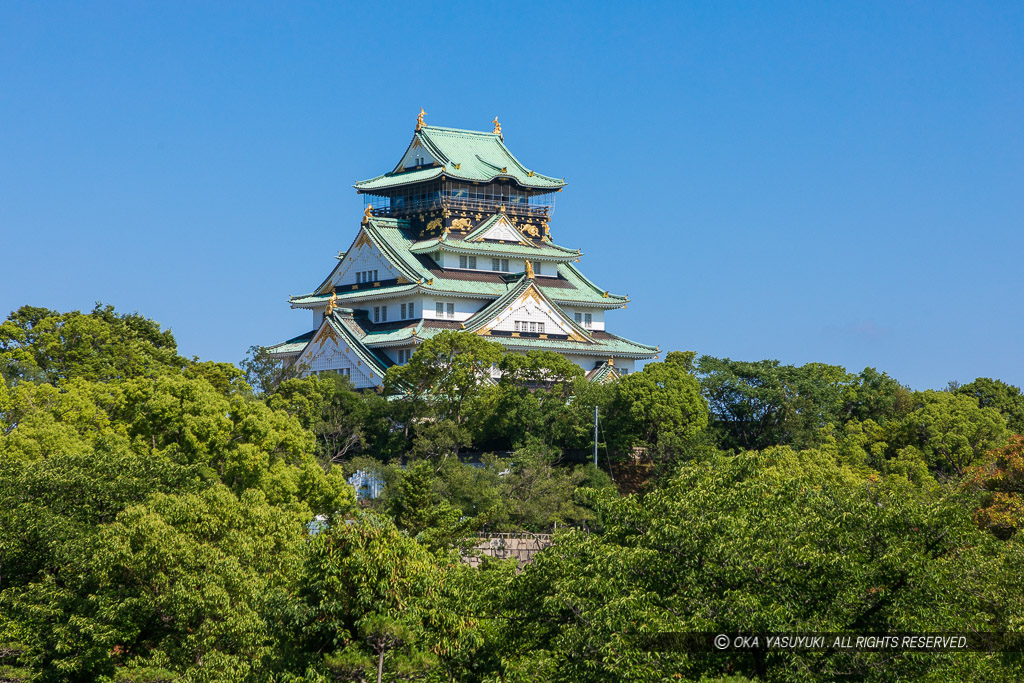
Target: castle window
[(451, 310), (384, 314), (439, 309), (495, 264), (412, 309), (403, 312), (588, 320), (376, 314), (538, 268), (468, 262), (579, 318)]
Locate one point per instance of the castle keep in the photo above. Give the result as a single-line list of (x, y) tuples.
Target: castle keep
[(457, 237)]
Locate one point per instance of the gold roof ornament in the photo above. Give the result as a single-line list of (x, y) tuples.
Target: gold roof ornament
[(611, 362), (497, 126), (529, 271), (332, 303), (367, 213), (419, 119)]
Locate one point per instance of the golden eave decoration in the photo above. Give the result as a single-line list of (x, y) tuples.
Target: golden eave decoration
[(332, 303), (529, 270), (367, 213), (419, 119), (497, 126)]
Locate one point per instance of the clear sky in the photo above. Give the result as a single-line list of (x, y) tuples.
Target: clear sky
[(823, 181)]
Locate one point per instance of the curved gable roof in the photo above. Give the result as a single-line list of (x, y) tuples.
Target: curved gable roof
[(468, 155)]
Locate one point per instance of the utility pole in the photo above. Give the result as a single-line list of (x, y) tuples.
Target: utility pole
[(595, 436)]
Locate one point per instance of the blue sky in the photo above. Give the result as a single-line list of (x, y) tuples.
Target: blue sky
[(833, 182)]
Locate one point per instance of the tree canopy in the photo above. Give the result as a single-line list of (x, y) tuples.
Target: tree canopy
[(166, 519)]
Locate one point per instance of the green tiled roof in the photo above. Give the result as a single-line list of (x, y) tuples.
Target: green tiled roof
[(603, 374), (387, 235), (612, 346), (293, 345), (374, 361), (545, 252), (345, 295), (478, 156), (393, 238)]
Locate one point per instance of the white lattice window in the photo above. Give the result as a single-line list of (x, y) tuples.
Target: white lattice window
[(376, 314), (451, 310), (439, 309)]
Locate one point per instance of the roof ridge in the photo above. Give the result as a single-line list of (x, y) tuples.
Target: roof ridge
[(448, 129)]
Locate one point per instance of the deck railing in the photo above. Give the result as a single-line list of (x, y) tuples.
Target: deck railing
[(487, 206)]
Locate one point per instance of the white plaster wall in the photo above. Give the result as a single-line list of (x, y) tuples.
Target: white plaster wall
[(464, 308), (596, 313), (365, 257), (530, 311), (515, 265), (414, 152), (393, 353)]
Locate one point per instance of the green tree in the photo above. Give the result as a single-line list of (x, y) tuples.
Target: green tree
[(540, 494), (264, 372), (993, 393), (764, 403), (370, 599), (175, 585), (876, 396), (38, 344), (951, 431), (533, 399), (766, 541), (447, 372), (659, 409)]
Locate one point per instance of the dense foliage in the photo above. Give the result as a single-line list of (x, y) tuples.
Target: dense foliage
[(169, 519)]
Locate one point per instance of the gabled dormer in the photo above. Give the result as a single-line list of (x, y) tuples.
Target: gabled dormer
[(497, 228), (525, 311)]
